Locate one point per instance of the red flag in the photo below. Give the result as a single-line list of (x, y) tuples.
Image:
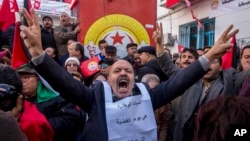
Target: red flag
[(7, 13), (229, 58), (90, 67), (19, 57), (73, 4), (180, 48), (34, 124)]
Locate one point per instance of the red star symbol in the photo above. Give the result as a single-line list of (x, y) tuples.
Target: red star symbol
[(117, 38)]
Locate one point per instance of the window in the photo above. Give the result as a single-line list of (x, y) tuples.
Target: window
[(194, 37)]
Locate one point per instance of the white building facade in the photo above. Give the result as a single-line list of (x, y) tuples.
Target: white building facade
[(180, 28)]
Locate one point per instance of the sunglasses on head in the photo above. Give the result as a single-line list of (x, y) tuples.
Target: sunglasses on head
[(103, 66), (71, 64)]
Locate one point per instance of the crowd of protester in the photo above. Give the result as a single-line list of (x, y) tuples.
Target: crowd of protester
[(192, 96)]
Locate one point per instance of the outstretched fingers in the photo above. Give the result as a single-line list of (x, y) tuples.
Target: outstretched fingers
[(35, 20), (161, 28), (25, 32), (27, 17), (224, 35), (229, 36)]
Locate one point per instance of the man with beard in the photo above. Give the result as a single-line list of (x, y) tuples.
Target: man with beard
[(215, 82), (64, 32), (119, 108), (48, 33), (188, 56)]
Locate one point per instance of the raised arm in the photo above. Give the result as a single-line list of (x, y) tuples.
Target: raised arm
[(63, 82), (166, 64), (179, 83)]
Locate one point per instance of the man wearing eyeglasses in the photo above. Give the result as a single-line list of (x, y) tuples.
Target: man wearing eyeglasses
[(65, 120), (104, 65)]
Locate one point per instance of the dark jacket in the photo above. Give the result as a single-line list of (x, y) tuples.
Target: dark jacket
[(245, 91), (228, 83), (8, 36), (63, 116), (130, 60), (161, 118), (152, 67), (9, 129), (1, 39), (92, 99), (48, 38)]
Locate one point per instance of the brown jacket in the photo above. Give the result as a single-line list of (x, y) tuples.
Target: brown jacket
[(62, 35), (9, 129), (161, 117)]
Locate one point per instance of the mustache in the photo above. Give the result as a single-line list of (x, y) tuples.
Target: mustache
[(209, 69), (122, 77), (187, 63)]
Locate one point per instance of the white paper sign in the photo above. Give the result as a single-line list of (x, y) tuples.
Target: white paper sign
[(130, 119)]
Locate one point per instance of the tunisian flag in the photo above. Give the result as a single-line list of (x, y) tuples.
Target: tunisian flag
[(90, 67), (7, 13), (229, 59)]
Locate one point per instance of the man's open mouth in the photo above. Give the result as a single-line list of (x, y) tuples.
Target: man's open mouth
[(123, 84)]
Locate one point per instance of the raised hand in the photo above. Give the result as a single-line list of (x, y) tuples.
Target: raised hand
[(158, 35), (221, 45), (32, 34)]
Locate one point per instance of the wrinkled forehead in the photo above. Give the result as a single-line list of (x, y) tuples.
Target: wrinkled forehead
[(121, 64)]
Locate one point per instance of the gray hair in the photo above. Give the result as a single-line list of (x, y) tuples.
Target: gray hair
[(150, 77)]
